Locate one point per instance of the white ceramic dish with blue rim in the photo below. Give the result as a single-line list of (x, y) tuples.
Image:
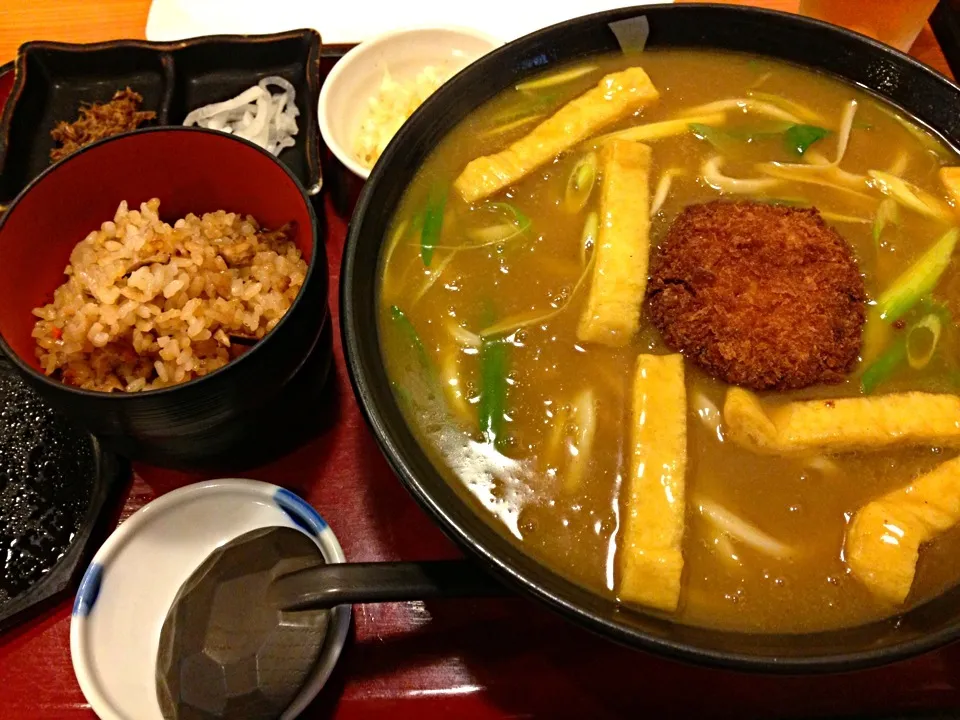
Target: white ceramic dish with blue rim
[(132, 582)]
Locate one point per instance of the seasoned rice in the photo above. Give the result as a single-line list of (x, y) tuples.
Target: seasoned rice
[(147, 305)]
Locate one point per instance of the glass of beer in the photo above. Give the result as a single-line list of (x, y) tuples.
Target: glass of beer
[(895, 22)]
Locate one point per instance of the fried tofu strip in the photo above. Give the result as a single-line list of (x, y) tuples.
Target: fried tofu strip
[(651, 559), (950, 177), (844, 424), (616, 96), (619, 281), (883, 541)]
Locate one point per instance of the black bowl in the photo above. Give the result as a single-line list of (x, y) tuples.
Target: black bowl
[(892, 75), (232, 417)]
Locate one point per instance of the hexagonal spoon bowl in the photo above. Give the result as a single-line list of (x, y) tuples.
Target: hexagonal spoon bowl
[(247, 627)]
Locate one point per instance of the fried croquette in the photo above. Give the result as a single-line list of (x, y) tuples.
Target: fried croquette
[(759, 295)]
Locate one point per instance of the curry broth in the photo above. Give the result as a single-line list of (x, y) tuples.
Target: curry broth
[(527, 488)]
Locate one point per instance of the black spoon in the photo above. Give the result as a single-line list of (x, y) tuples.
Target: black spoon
[(246, 629)]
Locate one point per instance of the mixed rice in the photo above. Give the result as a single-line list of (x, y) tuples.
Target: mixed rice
[(147, 305)]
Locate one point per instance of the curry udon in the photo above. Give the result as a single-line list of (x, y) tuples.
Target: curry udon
[(515, 323)]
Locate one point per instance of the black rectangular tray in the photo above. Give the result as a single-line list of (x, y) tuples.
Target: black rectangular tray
[(53, 79)]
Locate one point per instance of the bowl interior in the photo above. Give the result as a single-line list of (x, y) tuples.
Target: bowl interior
[(190, 170), (404, 54), (901, 80)]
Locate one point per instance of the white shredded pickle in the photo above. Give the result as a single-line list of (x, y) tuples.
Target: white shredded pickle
[(256, 114)]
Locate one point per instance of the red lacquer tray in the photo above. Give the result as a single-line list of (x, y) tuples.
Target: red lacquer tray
[(466, 659)]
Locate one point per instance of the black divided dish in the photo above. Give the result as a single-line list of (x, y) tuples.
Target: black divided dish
[(920, 91), (53, 79), (54, 482)]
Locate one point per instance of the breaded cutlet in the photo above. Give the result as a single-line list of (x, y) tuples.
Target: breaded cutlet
[(759, 295)]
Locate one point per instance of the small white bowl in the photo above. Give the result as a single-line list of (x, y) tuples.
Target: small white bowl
[(132, 581), (357, 77)]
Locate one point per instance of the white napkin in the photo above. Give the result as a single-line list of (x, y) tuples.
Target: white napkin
[(356, 20)]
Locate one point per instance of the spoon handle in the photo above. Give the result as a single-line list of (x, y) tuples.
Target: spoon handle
[(326, 586)]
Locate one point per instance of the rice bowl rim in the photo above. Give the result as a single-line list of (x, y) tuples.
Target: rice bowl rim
[(37, 375)]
